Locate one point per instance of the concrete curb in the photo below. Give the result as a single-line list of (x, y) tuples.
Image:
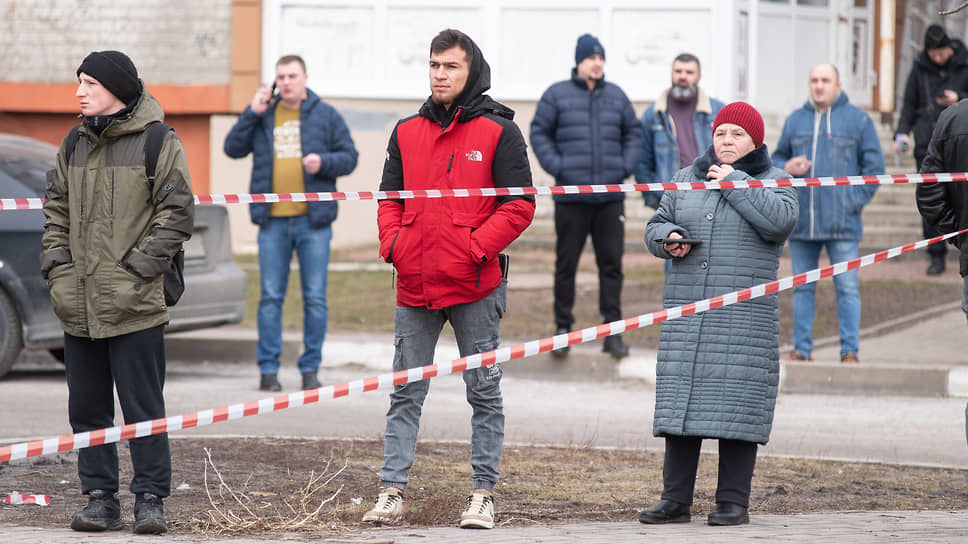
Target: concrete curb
[(374, 351)]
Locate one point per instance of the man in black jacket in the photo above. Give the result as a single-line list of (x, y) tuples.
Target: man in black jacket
[(938, 79), (944, 206)]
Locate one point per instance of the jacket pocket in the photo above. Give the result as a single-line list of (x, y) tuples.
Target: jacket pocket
[(121, 295), (845, 155), (66, 296), (466, 224), (403, 245), (800, 144)]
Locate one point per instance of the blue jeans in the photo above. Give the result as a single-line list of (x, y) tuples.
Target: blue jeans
[(805, 256), (476, 327), (278, 237)]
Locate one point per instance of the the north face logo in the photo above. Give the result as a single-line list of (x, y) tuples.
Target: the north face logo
[(474, 155)]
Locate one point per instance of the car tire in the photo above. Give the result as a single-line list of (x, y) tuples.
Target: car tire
[(11, 334)]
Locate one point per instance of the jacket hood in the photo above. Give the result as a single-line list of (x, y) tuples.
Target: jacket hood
[(960, 58), (471, 102), (754, 163)]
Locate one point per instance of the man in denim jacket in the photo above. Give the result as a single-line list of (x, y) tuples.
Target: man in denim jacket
[(666, 145), (828, 137)]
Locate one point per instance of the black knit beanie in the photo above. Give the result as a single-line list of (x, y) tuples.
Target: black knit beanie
[(935, 37), (587, 46), (115, 71)]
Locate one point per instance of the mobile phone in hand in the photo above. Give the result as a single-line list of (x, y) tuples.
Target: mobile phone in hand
[(690, 241)]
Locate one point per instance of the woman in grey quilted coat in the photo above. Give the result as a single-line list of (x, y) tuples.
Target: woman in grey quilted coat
[(718, 371)]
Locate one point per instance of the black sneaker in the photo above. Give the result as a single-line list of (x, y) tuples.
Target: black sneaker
[(269, 382), (561, 353), (615, 347), (149, 515), (102, 513), (936, 267), (310, 381)]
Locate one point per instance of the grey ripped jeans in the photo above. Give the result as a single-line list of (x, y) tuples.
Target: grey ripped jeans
[(476, 326)]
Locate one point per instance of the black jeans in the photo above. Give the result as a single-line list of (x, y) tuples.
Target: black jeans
[(606, 224), (941, 248), (737, 458), (135, 364)]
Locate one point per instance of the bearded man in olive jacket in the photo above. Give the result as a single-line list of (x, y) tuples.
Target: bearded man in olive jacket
[(111, 233)]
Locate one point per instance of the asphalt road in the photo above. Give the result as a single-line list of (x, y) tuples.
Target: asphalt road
[(609, 413)]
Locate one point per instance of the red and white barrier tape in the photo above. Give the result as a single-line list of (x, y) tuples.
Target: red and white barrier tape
[(17, 498), (895, 179), (384, 381)]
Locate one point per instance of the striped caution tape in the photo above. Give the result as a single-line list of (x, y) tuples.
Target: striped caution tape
[(17, 498), (258, 198), (489, 358)]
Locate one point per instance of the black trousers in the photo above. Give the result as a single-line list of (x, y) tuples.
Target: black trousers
[(941, 248), (737, 458), (606, 224), (133, 363)]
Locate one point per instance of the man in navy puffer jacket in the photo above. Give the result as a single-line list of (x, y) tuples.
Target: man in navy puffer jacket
[(585, 132)]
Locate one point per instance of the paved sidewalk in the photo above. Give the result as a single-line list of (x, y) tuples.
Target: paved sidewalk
[(851, 527)]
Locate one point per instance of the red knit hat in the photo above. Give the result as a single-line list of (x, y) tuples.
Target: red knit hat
[(744, 115)]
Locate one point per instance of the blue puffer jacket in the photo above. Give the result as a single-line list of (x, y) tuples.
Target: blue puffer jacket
[(659, 159), (586, 137), (846, 144), (321, 131)]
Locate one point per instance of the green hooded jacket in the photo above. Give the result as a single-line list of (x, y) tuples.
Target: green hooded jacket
[(110, 233)]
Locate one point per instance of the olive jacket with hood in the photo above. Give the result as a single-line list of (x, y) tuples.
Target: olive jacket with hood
[(110, 233), (445, 250), (718, 371)]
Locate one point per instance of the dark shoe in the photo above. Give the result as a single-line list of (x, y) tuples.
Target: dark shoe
[(102, 513), (149, 515), (615, 347), (310, 381), (729, 513), (936, 267), (269, 382), (849, 358), (666, 512), (561, 353), (796, 356)]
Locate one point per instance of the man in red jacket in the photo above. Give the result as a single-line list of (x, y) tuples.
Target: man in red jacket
[(446, 252)]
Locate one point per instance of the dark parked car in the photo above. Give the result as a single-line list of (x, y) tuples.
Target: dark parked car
[(214, 285)]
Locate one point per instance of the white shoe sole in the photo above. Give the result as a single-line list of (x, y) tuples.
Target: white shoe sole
[(476, 524)]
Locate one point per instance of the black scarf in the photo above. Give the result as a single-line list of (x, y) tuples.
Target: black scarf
[(98, 123), (754, 163)]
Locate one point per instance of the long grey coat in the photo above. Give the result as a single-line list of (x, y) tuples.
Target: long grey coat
[(718, 371)]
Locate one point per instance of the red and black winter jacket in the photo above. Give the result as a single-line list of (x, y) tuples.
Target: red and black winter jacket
[(445, 249)]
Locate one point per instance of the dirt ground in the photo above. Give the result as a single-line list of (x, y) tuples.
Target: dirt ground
[(322, 488)]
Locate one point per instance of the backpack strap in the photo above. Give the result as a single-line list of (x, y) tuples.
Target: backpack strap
[(71, 142), (155, 138)]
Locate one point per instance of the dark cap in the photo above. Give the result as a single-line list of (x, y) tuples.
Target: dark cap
[(935, 37), (115, 71), (587, 46)]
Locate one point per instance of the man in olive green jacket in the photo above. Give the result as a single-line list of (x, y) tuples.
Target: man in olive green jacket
[(111, 234)]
